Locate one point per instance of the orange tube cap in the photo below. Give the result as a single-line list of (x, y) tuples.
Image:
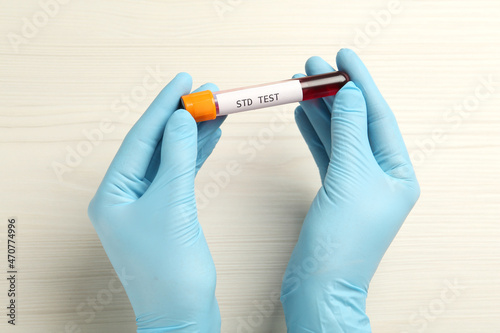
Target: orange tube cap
[(201, 105)]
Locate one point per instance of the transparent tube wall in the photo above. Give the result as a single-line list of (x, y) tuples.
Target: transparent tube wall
[(278, 93)]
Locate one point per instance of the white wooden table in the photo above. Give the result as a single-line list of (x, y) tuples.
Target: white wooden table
[(67, 67)]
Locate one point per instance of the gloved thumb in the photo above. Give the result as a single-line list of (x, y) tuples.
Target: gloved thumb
[(349, 128), (178, 157)]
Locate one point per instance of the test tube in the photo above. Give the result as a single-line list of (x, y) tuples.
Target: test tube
[(206, 105)]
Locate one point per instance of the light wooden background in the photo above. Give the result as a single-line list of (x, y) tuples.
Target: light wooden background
[(429, 59)]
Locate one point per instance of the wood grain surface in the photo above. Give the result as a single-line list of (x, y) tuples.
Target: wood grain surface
[(68, 67)]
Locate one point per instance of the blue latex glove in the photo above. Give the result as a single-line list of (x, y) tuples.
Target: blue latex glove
[(145, 215), (368, 189)]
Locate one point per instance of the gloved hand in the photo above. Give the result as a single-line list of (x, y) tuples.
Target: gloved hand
[(368, 189), (145, 215)]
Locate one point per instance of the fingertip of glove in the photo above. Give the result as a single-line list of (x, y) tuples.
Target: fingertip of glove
[(217, 134), (181, 121), (300, 116), (317, 65), (345, 53), (184, 77), (299, 111), (350, 97), (314, 60), (349, 85), (346, 58)]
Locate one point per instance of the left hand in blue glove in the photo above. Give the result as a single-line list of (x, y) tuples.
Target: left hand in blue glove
[(145, 215)]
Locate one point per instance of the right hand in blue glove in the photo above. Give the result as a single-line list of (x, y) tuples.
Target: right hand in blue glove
[(368, 189), (145, 215)]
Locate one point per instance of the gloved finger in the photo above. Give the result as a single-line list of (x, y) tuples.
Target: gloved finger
[(319, 117), (134, 156), (313, 141), (350, 145), (315, 66), (385, 138), (205, 129), (208, 132), (203, 151), (178, 157), (319, 111), (206, 149), (154, 163)]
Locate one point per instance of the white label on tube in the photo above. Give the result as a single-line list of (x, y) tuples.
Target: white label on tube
[(259, 97)]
